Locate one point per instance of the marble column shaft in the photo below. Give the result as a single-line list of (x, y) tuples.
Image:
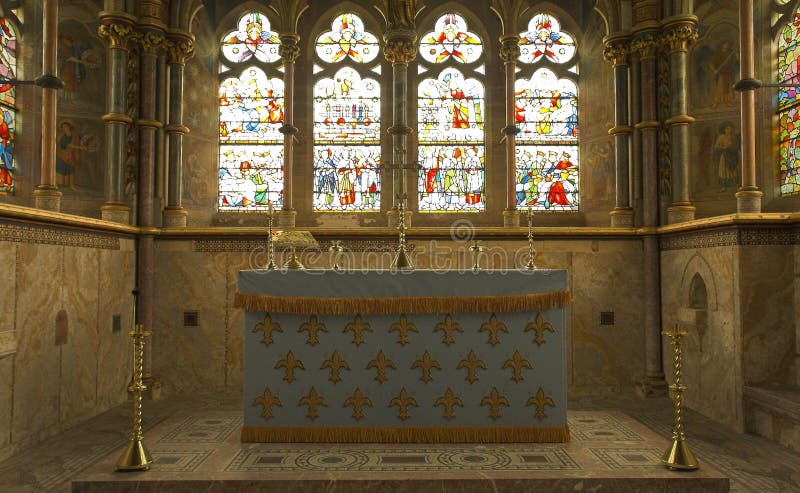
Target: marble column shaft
[(400, 50), (289, 51), (117, 31), (180, 47), (617, 51), (509, 53), (678, 35), (748, 199), (46, 195)]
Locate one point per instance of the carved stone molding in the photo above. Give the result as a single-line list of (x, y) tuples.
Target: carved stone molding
[(400, 50), (288, 49), (617, 52), (179, 50), (30, 234), (152, 42), (509, 49), (678, 37), (116, 33), (731, 237), (645, 45)]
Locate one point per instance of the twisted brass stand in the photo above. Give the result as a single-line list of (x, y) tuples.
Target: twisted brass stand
[(270, 243), (136, 457), (402, 261), (678, 455), (531, 250)]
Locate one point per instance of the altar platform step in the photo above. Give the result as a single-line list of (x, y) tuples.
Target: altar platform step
[(609, 451)]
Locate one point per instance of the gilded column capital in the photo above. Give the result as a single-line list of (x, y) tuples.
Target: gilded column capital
[(617, 49), (179, 49), (400, 50), (645, 45), (679, 36), (509, 48), (116, 33), (152, 42), (288, 49)]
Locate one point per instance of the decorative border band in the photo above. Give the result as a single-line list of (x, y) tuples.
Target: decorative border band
[(250, 245), (31, 234), (732, 237), (410, 434), (403, 304)]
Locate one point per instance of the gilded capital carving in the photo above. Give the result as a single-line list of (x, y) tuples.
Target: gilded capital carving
[(152, 42), (617, 53), (645, 45), (509, 49), (288, 49), (679, 36), (116, 34), (400, 51), (179, 50)]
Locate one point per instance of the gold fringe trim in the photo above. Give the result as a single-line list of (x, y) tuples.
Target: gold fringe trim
[(388, 434), (404, 304)]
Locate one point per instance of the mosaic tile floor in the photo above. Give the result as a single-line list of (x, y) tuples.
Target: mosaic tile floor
[(198, 436)]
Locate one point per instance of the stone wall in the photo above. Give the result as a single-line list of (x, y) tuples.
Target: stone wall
[(62, 357)]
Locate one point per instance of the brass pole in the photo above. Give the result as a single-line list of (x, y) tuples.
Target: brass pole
[(678, 455)]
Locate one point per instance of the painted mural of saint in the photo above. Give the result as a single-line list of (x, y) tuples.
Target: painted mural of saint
[(725, 155)]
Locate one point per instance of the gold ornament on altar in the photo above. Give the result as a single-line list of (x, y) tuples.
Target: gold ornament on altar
[(678, 455), (476, 251), (270, 239), (531, 251), (402, 261), (136, 456), (294, 239), (336, 251)]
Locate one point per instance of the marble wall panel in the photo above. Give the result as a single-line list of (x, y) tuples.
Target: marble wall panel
[(79, 356), (768, 315), (8, 283), (6, 401), (37, 364), (189, 358), (114, 348), (711, 363)]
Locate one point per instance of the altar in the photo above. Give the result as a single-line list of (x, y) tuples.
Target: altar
[(404, 356)]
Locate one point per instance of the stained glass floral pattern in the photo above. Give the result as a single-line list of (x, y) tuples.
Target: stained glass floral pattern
[(545, 40), (451, 40), (8, 114), (347, 121), (251, 111), (252, 39), (789, 107), (347, 39), (451, 143)]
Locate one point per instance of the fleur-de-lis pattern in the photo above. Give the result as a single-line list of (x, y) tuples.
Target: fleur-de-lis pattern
[(540, 400), (448, 328), (517, 363), (313, 327), (416, 369), (358, 401), (358, 327), (267, 326), (336, 364), (540, 326), (493, 327), (267, 401), (403, 327)]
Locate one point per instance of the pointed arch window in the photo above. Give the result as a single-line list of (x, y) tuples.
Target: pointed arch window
[(251, 99), (789, 106), (8, 118), (450, 119), (347, 118), (546, 100)]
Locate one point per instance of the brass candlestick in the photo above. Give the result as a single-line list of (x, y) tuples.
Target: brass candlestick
[(270, 242), (136, 457), (476, 250), (336, 251), (531, 251), (402, 261), (678, 455)]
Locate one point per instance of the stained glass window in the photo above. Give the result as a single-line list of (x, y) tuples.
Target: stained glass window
[(788, 107), (546, 112), (8, 70), (450, 120), (250, 115), (347, 119)]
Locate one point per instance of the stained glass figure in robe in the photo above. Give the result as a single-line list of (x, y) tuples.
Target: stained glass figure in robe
[(346, 178), (788, 106), (451, 40), (347, 39), (546, 108), (547, 177), (545, 40), (8, 114), (253, 38)]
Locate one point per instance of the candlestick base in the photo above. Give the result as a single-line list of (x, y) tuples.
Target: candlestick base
[(135, 457), (678, 456)]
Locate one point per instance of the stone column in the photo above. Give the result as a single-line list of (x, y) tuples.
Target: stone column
[(616, 51), (289, 51), (46, 196), (748, 199), (117, 29), (646, 44), (400, 50), (509, 53), (679, 33), (180, 48)]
